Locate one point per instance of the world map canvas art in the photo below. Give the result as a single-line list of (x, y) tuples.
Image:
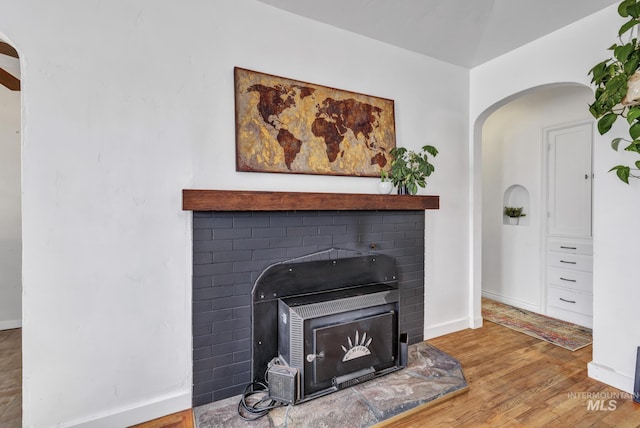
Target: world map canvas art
[(288, 126)]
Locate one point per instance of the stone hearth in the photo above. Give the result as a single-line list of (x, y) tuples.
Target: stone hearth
[(431, 375)]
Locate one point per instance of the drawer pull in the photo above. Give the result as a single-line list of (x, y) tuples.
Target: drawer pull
[(568, 301), (569, 263), (568, 248), (565, 279)]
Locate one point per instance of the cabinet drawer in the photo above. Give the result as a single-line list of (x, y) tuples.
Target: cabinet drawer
[(574, 279), (563, 246), (570, 261), (573, 317), (570, 300)]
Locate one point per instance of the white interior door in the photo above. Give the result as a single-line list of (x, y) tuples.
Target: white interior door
[(569, 180)]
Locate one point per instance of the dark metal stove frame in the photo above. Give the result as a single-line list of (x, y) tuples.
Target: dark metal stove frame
[(298, 283)]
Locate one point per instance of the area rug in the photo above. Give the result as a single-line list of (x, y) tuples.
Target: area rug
[(552, 330), (431, 376)]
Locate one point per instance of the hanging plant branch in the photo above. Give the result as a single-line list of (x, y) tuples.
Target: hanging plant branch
[(617, 88)]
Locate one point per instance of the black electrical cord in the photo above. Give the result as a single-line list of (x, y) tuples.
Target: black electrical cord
[(259, 408)]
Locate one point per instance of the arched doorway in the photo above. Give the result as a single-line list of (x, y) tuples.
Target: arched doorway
[(10, 237), (509, 141)]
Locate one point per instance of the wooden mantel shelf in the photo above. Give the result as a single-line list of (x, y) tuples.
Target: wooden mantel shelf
[(245, 200)]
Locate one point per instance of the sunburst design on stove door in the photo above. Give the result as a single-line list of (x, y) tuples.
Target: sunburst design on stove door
[(358, 348)]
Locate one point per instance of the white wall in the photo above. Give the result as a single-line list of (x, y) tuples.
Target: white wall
[(10, 217), (512, 153), (566, 56), (127, 103)]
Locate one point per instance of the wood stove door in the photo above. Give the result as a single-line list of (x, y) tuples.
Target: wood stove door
[(355, 345)]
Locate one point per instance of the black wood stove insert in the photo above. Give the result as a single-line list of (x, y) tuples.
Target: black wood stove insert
[(325, 324)]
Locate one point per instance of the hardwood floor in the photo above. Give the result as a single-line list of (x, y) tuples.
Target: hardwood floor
[(182, 419), (515, 381), (519, 381), (11, 378)]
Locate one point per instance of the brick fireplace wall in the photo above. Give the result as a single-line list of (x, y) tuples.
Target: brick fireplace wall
[(230, 250)]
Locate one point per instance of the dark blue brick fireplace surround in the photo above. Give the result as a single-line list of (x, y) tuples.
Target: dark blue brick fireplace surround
[(230, 250)]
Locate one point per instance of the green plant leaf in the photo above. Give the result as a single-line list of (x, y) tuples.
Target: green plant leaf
[(606, 122), (622, 8), (638, 164), (628, 8), (633, 147), (633, 9), (615, 142), (634, 131), (619, 81), (622, 172), (633, 114), (627, 26), (623, 52), (431, 150), (413, 188), (632, 63), (594, 110)]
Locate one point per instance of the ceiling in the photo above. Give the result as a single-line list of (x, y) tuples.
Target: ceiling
[(462, 32)]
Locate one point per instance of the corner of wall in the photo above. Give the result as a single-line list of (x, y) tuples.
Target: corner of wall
[(449, 327), (610, 377)]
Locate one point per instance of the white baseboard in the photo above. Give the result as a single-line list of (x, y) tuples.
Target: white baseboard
[(610, 377), (10, 324), (477, 323), (513, 302), (134, 415), (445, 328)]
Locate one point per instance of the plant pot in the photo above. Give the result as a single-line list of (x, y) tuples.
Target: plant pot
[(514, 220), (385, 187), (402, 190), (633, 90)]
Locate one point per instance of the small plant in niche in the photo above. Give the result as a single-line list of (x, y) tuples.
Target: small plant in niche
[(514, 212)]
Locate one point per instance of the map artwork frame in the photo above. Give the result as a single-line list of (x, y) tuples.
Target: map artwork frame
[(288, 126)]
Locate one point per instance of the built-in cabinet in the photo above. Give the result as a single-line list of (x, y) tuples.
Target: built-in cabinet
[(570, 280), (569, 249)]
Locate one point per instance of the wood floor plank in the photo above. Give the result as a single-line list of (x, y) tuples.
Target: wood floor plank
[(182, 419), (515, 380), (11, 378)]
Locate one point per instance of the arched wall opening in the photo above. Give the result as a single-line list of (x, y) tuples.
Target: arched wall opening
[(508, 150), (10, 234), (10, 195)]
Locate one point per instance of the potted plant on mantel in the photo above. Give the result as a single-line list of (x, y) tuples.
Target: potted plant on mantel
[(617, 82), (514, 214), (410, 169), (385, 186)]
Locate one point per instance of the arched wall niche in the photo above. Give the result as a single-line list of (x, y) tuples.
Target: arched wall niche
[(517, 196)]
